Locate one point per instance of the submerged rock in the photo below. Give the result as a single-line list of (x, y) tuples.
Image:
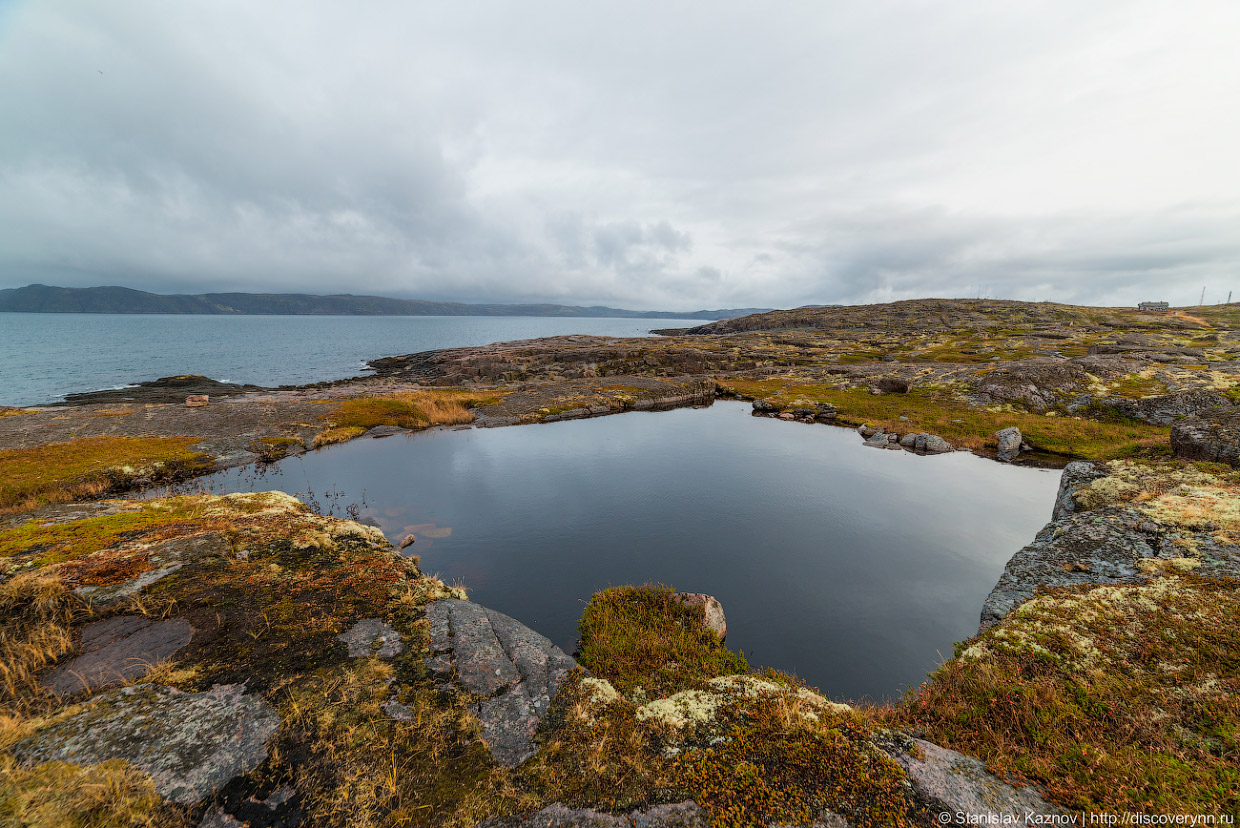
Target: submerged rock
[(511, 671), (190, 744), (118, 650)]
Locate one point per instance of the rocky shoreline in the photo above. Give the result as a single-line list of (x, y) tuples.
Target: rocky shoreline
[(239, 660)]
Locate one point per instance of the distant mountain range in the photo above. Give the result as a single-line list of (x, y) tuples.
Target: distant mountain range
[(48, 299)]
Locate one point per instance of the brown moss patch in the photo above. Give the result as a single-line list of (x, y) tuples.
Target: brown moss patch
[(1114, 699), (409, 409)]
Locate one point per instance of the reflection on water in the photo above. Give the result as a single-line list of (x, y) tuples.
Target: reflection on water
[(854, 568)]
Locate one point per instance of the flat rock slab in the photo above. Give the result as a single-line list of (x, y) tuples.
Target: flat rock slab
[(961, 787), (191, 744), (118, 650), (370, 636), (679, 815), (512, 672)]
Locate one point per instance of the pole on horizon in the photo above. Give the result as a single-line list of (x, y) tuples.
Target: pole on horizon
[(1203, 298)]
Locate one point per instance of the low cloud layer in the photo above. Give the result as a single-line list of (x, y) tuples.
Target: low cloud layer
[(640, 154)]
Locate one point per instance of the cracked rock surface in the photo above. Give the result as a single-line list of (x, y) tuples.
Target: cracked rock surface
[(191, 744), (512, 672), (120, 649)]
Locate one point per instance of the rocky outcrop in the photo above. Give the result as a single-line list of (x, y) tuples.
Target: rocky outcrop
[(1037, 387), (1009, 440), (190, 744), (1075, 475), (1165, 409), (960, 786), (162, 560), (1113, 525), (1212, 435), (120, 649), (511, 672)]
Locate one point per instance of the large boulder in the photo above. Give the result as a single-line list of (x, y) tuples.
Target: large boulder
[(1075, 475), (511, 672), (1037, 387), (1165, 409), (1009, 440), (1212, 435)]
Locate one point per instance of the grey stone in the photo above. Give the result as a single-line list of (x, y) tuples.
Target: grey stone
[(958, 784), (511, 671), (118, 650), (385, 431), (370, 636), (878, 440), (1009, 444), (937, 445), (714, 618), (1076, 475), (190, 744), (1080, 549), (396, 710), (1165, 409), (909, 440)]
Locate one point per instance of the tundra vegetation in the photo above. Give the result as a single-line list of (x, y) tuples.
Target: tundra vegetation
[(1108, 696)]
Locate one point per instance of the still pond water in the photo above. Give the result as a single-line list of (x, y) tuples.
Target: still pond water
[(853, 567)]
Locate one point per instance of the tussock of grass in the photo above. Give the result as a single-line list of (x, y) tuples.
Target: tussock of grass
[(408, 409), (36, 610), (1115, 699), (61, 795), (89, 468), (943, 412), (644, 637)]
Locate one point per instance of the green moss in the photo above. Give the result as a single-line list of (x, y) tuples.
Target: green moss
[(644, 637), (90, 467)]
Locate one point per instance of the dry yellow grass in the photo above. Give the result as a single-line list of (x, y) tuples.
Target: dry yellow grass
[(404, 409)]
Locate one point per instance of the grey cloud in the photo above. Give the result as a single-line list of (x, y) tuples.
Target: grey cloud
[(636, 154)]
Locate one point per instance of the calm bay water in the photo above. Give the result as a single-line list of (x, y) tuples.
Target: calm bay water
[(47, 355), (853, 567)]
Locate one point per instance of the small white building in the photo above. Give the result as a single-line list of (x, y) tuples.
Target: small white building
[(1153, 306)]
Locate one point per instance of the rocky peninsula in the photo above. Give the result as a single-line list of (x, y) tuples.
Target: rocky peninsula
[(240, 660)]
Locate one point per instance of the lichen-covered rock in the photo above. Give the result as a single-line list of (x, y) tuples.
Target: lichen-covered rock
[(1009, 440), (163, 560), (190, 744), (120, 649), (1212, 435), (1119, 523), (511, 672), (956, 784), (371, 636), (1075, 475), (1165, 409)]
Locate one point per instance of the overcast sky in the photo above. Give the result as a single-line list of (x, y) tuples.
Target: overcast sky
[(664, 154)]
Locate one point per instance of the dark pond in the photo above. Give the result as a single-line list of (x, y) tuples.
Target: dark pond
[(853, 567)]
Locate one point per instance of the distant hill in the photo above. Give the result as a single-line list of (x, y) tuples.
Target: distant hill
[(48, 299)]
